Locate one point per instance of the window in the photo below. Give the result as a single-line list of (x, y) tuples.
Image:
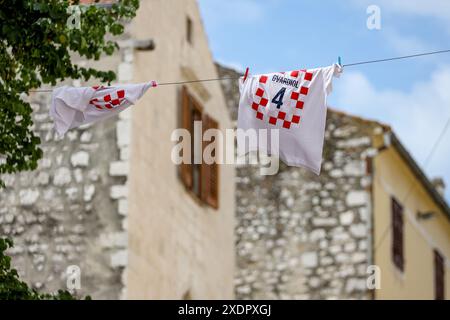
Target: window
[(200, 179), (187, 295), (397, 235), (189, 27), (439, 276)]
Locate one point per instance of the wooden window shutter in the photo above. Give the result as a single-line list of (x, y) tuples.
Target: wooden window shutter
[(186, 123), (439, 276), (210, 172), (397, 234)]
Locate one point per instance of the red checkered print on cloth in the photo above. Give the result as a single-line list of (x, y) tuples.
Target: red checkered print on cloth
[(286, 117), (109, 101)]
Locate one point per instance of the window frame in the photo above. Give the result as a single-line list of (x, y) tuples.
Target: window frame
[(208, 192), (439, 275), (189, 30), (211, 172), (398, 235)]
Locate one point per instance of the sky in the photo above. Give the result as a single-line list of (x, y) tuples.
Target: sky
[(412, 95)]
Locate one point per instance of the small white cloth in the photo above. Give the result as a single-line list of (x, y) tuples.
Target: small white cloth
[(72, 107), (293, 102)]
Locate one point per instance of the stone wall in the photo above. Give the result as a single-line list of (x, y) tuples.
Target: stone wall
[(72, 210), (302, 236), (108, 198)]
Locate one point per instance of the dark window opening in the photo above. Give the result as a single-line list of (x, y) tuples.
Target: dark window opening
[(195, 147), (439, 276), (189, 29), (187, 296), (397, 235)]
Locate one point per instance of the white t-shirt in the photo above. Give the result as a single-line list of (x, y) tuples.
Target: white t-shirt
[(293, 102)]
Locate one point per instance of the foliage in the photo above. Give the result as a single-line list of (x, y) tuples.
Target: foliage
[(36, 47), (12, 288)]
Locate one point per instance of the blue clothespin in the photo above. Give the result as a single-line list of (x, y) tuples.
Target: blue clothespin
[(339, 61)]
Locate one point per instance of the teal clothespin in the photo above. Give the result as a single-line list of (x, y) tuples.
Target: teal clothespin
[(339, 61)]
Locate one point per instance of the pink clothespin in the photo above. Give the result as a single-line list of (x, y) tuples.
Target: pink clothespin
[(246, 74)]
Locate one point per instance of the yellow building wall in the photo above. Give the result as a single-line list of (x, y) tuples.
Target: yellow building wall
[(176, 248), (392, 177)]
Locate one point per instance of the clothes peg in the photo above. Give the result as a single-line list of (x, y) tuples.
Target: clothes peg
[(339, 61), (246, 74)]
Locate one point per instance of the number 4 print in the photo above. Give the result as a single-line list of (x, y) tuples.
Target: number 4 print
[(278, 99)]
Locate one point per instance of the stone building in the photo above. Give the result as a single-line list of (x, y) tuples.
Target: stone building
[(108, 198), (302, 236)]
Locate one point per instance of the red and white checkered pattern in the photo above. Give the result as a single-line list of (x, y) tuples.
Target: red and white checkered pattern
[(109, 101), (296, 100), (260, 92)]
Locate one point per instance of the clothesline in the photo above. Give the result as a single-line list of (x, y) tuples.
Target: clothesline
[(236, 78)]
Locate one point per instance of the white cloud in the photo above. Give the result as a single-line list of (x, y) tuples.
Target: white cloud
[(406, 45), (439, 9), (222, 12), (417, 116), (432, 8)]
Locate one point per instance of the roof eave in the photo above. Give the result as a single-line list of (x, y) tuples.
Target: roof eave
[(418, 172)]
